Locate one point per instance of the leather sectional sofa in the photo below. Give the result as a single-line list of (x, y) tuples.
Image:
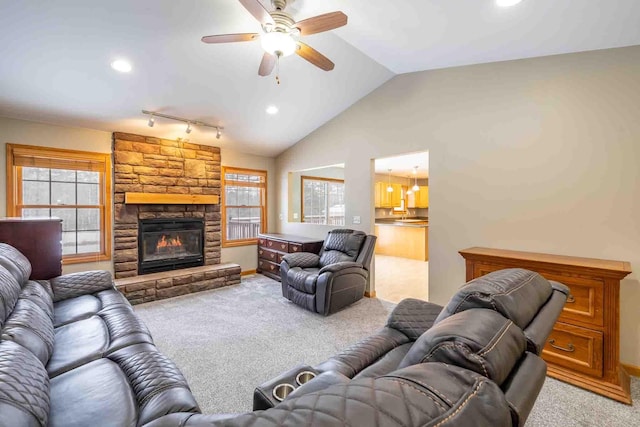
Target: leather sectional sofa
[(73, 353)]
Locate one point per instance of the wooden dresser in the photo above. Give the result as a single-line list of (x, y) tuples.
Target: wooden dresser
[(273, 246), (39, 239), (584, 347)]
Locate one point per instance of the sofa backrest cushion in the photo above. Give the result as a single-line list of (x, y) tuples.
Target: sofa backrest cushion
[(516, 293), (31, 327), (341, 245), (9, 293), (16, 258), (477, 339), (24, 387)]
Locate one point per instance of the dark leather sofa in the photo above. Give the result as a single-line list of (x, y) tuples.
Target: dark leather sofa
[(333, 279), (73, 353)]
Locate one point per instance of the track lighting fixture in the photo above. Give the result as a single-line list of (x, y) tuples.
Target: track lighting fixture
[(153, 115)]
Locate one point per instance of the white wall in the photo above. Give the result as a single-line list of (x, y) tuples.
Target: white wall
[(539, 155), (41, 134)]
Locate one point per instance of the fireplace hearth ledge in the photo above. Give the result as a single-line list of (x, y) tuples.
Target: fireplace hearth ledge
[(168, 284)]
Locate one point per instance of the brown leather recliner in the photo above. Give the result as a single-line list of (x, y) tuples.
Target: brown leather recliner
[(333, 279)]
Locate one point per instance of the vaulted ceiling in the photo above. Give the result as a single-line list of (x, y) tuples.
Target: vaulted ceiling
[(56, 54)]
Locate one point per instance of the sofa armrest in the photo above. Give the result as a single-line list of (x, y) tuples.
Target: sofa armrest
[(339, 266), (301, 259), (413, 317), (82, 283)]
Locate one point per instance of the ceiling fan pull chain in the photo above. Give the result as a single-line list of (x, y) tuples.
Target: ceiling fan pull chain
[(278, 69)]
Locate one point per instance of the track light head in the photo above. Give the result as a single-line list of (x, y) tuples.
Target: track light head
[(151, 122), (218, 133), (188, 130)]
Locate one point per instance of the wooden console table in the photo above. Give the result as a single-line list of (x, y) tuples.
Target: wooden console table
[(273, 246), (584, 347)]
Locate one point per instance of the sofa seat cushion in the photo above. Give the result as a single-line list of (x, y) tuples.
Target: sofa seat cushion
[(97, 394), (24, 387), (74, 309), (85, 306), (78, 343), (386, 364), (83, 341), (303, 279)]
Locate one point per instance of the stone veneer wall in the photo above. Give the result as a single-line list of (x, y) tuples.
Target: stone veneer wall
[(151, 165)]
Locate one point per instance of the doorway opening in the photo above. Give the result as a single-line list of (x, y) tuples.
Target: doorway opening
[(401, 206)]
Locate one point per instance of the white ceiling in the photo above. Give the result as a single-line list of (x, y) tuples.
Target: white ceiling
[(56, 54)]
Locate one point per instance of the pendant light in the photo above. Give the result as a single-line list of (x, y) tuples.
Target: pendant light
[(389, 187), (415, 179), (409, 189)]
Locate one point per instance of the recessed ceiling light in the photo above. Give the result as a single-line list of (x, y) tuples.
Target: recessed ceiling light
[(121, 65), (272, 109), (507, 3)]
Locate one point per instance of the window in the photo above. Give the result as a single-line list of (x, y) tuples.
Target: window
[(244, 206), (322, 200), (74, 186)]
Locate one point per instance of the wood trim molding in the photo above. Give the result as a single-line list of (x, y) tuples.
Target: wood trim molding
[(170, 199), (370, 294), (247, 272), (632, 370)]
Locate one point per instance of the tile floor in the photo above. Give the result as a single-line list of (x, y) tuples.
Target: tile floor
[(398, 278)]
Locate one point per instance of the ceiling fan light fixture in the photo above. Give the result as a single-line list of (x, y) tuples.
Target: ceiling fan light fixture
[(278, 43)]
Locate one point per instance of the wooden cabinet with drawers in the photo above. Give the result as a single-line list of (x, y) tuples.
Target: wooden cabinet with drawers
[(584, 346), (39, 239), (273, 246)]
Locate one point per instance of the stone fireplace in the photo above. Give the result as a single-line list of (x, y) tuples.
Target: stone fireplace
[(160, 182)]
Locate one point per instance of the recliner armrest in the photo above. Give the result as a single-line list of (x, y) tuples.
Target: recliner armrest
[(338, 266), (302, 260), (82, 283)]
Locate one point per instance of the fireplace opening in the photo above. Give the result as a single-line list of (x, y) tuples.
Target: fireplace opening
[(170, 244)]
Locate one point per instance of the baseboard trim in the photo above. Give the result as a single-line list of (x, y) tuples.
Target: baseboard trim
[(632, 370), (371, 294), (247, 272)]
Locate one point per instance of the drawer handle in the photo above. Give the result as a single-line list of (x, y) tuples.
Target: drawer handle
[(569, 349), (571, 299)]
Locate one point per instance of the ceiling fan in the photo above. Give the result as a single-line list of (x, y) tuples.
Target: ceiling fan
[(281, 34)]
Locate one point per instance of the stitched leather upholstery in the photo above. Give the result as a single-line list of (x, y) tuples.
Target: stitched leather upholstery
[(413, 317), (84, 360), (337, 277)]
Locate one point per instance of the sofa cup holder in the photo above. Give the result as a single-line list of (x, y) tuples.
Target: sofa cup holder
[(281, 391), (304, 377)]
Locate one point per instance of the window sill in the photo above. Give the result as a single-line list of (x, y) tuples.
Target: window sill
[(237, 243), (84, 258)]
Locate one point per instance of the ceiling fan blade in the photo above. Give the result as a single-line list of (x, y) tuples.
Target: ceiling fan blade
[(258, 11), (230, 38), (320, 23), (267, 64), (315, 57)]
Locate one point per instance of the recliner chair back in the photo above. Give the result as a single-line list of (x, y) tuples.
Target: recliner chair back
[(341, 245)]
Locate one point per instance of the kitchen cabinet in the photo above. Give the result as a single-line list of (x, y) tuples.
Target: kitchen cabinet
[(402, 240), (385, 199), (421, 197)]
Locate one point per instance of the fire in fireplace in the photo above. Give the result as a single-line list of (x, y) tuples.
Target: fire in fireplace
[(170, 244)]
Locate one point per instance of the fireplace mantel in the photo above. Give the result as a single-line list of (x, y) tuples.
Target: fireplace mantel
[(170, 199)]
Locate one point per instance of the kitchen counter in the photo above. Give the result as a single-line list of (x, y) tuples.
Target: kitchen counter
[(403, 238)]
